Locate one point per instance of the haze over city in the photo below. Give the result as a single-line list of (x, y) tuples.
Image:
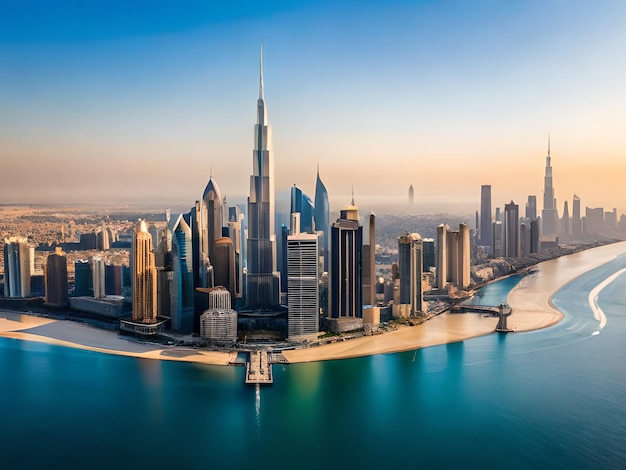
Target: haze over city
[(110, 102)]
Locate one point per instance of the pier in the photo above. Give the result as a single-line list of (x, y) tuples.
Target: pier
[(502, 311), (258, 368)]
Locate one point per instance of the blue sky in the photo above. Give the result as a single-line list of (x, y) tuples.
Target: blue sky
[(140, 101)]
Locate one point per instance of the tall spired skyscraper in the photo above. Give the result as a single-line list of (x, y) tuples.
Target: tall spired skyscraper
[(262, 278), (549, 216)]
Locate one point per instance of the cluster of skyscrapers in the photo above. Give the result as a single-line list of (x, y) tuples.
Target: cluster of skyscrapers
[(537, 232), (217, 269)]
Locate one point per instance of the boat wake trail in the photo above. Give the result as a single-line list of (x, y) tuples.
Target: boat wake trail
[(593, 299)]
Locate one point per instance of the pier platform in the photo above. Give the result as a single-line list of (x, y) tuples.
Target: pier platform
[(258, 368)]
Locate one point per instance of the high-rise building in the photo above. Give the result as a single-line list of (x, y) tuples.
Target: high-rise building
[(103, 238), (453, 256), (55, 274), (485, 215), (410, 268), (83, 279), (576, 222), (97, 273), (113, 279), (369, 265), (345, 274), (235, 234), (182, 298), (531, 208), (303, 284), (497, 239), (17, 271), (428, 246), (302, 204), (321, 214), (262, 278), (225, 270), (219, 322), (565, 222), (511, 230), (595, 219), (144, 278), (549, 215), (442, 256), (535, 245), (411, 195), (210, 229), (524, 236), (610, 220)]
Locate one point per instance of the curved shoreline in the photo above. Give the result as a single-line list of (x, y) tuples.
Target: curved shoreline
[(531, 301)]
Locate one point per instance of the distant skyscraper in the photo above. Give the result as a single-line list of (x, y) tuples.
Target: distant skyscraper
[(411, 195), (595, 219), (97, 272), (497, 239), (524, 236), (55, 274), (428, 245), (103, 238), (262, 279), (485, 215), (302, 204), (565, 222), (368, 274), (235, 234), (17, 261), (410, 266), (210, 229), (535, 246), (453, 256), (144, 278), (511, 230), (576, 222), (549, 215), (442, 256), (531, 208), (321, 214), (303, 284), (345, 275)]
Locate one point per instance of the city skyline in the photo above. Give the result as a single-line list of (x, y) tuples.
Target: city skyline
[(372, 93)]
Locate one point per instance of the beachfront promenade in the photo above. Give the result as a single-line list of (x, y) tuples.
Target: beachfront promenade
[(530, 301)]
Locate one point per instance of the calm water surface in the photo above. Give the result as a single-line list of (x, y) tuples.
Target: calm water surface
[(554, 398)]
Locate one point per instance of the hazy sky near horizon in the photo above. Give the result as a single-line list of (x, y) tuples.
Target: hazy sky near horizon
[(107, 101)]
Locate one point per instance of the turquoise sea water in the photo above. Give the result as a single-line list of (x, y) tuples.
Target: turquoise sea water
[(554, 398)]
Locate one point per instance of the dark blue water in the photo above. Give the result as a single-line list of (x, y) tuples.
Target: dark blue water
[(554, 398)]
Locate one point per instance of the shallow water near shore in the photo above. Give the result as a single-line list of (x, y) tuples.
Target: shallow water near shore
[(552, 398)]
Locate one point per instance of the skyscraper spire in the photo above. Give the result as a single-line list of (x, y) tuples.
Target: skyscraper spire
[(352, 195), (548, 144), (261, 75)]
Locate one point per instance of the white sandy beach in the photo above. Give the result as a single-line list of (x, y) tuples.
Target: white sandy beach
[(81, 336), (530, 301)]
